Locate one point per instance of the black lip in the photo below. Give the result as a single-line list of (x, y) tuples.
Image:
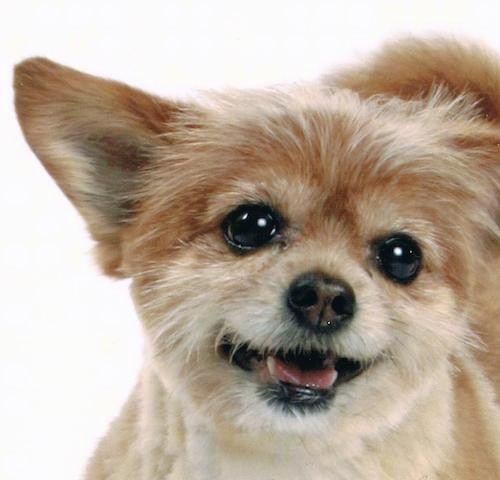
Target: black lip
[(241, 356), (287, 396), (292, 399), (348, 369)]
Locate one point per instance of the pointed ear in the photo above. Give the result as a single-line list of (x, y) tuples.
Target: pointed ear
[(94, 137), (412, 67)]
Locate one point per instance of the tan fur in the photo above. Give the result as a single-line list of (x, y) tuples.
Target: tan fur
[(410, 142)]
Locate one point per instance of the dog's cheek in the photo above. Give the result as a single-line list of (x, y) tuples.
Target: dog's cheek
[(179, 319), (188, 300), (185, 297), (426, 327)]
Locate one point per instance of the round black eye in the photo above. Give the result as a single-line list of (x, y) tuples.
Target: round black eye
[(250, 226), (399, 257)]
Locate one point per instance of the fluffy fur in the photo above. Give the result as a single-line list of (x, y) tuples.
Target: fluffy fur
[(408, 141)]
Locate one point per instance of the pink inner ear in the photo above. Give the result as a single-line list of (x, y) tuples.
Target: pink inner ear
[(106, 129), (118, 151)]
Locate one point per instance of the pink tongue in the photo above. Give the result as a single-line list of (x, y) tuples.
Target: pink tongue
[(289, 373)]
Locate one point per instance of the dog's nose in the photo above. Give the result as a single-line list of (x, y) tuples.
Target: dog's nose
[(321, 303)]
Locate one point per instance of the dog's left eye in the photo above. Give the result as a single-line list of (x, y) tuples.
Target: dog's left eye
[(250, 226), (398, 257)]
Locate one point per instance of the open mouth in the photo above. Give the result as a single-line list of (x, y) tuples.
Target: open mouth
[(292, 379)]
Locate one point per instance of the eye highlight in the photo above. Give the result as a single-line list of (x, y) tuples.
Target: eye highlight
[(398, 257), (250, 226)]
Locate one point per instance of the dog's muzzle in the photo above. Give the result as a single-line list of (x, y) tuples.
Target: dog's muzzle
[(320, 306)]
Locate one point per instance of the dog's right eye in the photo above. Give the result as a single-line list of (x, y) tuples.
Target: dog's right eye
[(250, 226)]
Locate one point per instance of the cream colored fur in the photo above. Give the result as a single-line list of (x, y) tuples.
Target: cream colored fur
[(408, 141)]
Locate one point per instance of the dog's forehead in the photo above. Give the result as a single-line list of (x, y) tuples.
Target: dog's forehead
[(331, 140), (320, 130)]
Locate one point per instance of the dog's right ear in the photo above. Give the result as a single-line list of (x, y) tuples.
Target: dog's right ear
[(95, 137)]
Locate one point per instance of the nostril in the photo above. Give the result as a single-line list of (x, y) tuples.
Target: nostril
[(343, 304), (321, 303), (304, 296)]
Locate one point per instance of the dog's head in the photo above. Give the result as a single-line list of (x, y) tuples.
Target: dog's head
[(301, 258)]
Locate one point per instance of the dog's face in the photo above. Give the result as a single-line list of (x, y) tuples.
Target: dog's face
[(318, 272), (301, 259)]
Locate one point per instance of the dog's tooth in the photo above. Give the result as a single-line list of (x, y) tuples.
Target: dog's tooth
[(329, 361), (271, 365)]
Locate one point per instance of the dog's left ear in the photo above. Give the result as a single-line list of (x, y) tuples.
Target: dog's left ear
[(96, 138), (413, 69)]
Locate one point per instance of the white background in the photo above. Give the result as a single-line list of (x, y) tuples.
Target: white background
[(70, 345)]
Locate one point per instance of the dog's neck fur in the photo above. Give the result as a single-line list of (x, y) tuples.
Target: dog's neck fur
[(175, 443), (236, 454)]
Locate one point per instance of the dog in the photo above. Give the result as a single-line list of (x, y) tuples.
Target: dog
[(316, 267)]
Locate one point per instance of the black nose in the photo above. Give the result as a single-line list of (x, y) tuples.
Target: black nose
[(321, 303)]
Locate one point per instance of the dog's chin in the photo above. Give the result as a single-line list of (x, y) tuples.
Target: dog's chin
[(293, 381)]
